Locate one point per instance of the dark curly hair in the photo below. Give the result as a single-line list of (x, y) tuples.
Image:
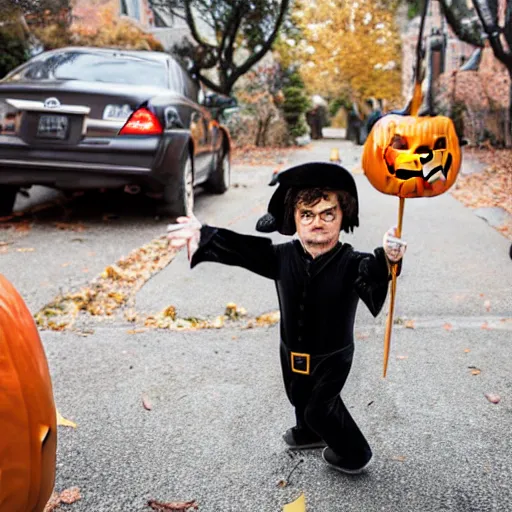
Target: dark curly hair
[(312, 196)]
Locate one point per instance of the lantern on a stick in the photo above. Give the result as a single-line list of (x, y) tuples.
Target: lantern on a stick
[(408, 156), (28, 429)]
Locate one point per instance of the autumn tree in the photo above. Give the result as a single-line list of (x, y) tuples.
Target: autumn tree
[(240, 33), (350, 49)]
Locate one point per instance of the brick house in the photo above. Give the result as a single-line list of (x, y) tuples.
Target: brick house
[(167, 30), (479, 96)]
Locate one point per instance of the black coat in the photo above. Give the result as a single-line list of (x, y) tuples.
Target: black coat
[(318, 297)]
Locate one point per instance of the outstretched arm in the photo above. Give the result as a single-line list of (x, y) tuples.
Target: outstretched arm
[(207, 243), (374, 271)]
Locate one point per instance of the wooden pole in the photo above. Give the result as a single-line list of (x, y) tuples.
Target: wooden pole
[(394, 269)]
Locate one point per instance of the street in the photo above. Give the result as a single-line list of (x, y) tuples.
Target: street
[(198, 414)]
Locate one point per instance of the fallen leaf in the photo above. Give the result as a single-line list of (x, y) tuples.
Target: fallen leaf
[(63, 422), (447, 326), (25, 249), (71, 495), (130, 315), (487, 305), (53, 503), (282, 484), (268, 319), (493, 398), (218, 323), (299, 505), (68, 496), (146, 403), (398, 458), (476, 371), (409, 324), (177, 506), (68, 226), (234, 312), (485, 326), (467, 350), (22, 227)]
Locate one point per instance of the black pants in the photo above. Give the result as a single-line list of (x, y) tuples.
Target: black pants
[(318, 405)]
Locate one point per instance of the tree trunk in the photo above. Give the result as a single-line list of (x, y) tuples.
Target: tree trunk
[(508, 116)]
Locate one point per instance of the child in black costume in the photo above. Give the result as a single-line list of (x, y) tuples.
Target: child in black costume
[(319, 282)]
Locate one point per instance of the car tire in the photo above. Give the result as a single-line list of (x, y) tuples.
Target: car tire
[(220, 178), (8, 195), (179, 197)]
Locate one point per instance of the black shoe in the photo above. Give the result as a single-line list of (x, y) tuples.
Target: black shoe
[(337, 462), (298, 439)]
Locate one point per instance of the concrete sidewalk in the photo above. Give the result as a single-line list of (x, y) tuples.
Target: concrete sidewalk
[(219, 407)]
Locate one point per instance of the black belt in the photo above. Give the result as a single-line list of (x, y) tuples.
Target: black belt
[(301, 362)]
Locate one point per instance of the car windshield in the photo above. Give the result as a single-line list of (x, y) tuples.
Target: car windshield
[(114, 68)]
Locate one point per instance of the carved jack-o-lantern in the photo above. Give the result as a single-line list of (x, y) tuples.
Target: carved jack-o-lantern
[(28, 430), (410, 156)]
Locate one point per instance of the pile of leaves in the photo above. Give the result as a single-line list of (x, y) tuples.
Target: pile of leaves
[(168, 319), (114, 288), (490, 188)]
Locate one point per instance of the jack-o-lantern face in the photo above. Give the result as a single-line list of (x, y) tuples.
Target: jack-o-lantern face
[(28, 421), (409, 156)]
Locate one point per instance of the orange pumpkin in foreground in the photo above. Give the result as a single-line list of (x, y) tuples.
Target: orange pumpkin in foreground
[(409, 156), (28, 430)]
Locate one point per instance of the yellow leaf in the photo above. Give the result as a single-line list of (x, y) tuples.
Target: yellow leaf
[(299, 505), (268, 319), (409, 324), (63, 422)]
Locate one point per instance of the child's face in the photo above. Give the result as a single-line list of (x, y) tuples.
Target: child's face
[(319, 226)]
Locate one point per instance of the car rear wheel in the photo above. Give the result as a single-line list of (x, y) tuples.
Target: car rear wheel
[(7, 199), (179, 197), (220, 179)]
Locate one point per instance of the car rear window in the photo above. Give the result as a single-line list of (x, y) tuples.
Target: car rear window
[(109, 68)]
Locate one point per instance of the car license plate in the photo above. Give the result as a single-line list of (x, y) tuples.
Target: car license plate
[(53, 127)]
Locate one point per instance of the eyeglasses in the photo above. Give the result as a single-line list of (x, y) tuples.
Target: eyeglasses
[(307, 217)]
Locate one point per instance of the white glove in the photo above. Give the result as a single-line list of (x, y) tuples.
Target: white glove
[(189, 234), (394, 247)]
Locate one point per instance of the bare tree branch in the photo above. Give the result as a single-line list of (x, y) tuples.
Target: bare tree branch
[(248, 24), (240, 70), (464, 21)]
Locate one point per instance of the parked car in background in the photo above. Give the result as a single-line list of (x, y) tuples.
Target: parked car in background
[(91, 118)]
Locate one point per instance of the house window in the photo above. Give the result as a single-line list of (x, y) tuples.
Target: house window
[(131, 8)]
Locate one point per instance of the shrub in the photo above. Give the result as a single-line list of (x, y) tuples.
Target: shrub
[(14, 45)]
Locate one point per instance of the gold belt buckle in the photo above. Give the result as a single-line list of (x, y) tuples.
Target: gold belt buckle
[(300, 363)]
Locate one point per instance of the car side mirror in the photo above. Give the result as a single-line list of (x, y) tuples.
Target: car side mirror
[(219, 102)]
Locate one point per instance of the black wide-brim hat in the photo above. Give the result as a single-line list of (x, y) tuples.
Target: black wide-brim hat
[(311, 175)]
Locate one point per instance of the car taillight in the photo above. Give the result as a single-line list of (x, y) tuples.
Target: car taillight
[(142, 122)]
